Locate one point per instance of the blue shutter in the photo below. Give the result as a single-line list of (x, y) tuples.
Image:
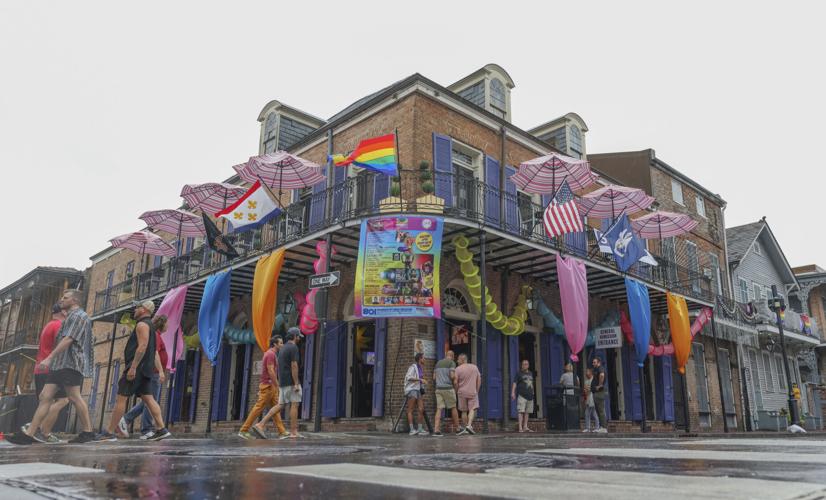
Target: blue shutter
[(631, 379), (545, 362), (557, 358), (245, 387), (307, 383), (601, 354), (665, 388), (511, 202), (196, 377), (440, 338), (491, 401), (178, 387), (332, 388), (318, 201), (113, 389), (93, 397), (339, 191), (223, 402), (513, 361), (216, 388), (379, 367), (492, 191), (443, 168), (381, 189)]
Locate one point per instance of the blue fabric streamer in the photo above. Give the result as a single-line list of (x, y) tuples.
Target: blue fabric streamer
[(640, 308), (212, 317)]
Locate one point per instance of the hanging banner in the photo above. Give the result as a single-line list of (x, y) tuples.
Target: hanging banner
[(397, 275)]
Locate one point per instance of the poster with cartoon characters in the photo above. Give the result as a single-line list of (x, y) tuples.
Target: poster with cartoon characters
[(397, 275)]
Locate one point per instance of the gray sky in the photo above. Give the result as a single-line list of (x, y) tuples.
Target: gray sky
[(108, 108)]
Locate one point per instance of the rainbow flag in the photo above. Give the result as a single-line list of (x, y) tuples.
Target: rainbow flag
[(377, 154)]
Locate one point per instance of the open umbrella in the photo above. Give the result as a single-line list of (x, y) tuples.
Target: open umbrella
[(659, 225), (175, 221), (609, 201), (211, 197), (545, 175), (280, 170), (143, 242)]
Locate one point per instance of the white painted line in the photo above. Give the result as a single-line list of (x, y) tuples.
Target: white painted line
[(747, 456), (792, 442), (531, 482), (32, 469)]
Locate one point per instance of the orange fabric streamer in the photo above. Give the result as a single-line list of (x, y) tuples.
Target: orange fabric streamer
[(680, 329), (264, 292)]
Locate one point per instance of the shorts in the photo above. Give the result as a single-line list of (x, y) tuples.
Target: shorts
[(468, 403), (445, 398), (140, 386), (41, 379), (287, 394), (524, 405), (414, 394), (65, 377)]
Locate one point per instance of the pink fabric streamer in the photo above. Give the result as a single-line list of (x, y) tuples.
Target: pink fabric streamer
[(173, 308), (573, 291), (699, 322), (309, 321)]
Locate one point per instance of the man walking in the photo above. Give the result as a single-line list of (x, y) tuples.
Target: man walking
[(41, 376), (522, 391), (69, 362), (468, 382), (289, 394), (444, 378), (267, 395), (598, 390), (139, 360), (158, 379)]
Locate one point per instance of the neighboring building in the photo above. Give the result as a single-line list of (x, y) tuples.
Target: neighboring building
[(466, 135), (811, 300), (758, 263), (26, 308)]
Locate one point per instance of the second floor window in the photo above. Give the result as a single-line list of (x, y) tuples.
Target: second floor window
[(677, 191), (130, 268), (701, 205), (744, 290)]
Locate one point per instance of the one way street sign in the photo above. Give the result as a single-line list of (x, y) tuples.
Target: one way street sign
[(325, 280)]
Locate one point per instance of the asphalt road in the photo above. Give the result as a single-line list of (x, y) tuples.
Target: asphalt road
[(398, 466)]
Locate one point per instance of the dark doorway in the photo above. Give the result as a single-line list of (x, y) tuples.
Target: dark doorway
[(612, 359), (679, 402), (363, 337), (527, 350), (236, 389)]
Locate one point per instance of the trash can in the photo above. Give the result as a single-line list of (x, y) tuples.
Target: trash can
[(561, 410)]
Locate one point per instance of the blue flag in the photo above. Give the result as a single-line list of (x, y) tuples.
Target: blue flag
[(627, 247), (639, 305)]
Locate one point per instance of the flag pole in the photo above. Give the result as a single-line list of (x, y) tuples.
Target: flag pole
[(399, 169)]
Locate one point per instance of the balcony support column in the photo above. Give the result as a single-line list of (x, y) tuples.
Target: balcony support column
[(108, 370), (483, 331)]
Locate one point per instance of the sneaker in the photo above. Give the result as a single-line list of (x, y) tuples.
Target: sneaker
[(39, 437), (245, 435), (258, 433), (148, 435), (20, 438), (83, 437), (299, 436), (423, 432), (161, 434), (52, 439), (586, 430), (470, 430), (284, 435), (602, 430), (462, 431), (123, 427), (25, 427), (413, 432), (105, 436), (437, 434)]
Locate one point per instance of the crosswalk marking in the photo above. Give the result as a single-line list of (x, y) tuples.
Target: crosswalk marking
[(788, 442), (531, 482), (32, 469), (748, 456)]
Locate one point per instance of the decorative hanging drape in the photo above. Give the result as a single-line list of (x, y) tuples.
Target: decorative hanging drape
[(573, 291), (264, 292), (680, 329), (173, 308), (639, 306)]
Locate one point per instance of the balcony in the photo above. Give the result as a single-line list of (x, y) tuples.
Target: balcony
[(468, 206), (765, 320)]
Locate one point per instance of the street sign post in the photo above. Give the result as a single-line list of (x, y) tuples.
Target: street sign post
[(325, 280)]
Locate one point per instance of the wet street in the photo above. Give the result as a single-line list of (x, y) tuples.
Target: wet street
[(378, 465)]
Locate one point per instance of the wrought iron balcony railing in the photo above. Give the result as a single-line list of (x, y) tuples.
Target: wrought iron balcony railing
[(458, 196)]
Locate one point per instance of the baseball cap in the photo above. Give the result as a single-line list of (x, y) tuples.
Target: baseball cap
[(56, 309), (294, 331), (146, 304)]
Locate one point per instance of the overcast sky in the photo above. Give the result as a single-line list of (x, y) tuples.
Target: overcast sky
[(108, 108)]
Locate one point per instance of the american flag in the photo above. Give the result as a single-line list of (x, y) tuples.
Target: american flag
[(562, 215)]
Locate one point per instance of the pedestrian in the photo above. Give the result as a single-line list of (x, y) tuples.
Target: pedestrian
[(590, 409), (69, 362), (158, 379), (289, 394), (468, 382), (268, 392), (522, 391), (41, 377), (444, 378), (139, 358), (598, 390), (569, 380), (414, 383)]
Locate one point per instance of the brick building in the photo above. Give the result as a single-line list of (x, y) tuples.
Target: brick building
[(465, 135)]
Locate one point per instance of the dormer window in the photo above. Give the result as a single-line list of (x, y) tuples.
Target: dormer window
[(270, 128), (575, 141), (498, 99)]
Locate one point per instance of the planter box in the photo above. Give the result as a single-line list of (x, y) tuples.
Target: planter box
[(392, 204), (430, 204)]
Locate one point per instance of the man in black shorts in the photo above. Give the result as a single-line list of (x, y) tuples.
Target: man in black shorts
[(41, 377), (139, 362)]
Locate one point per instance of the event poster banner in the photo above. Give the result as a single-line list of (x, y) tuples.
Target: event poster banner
[(397, 275)]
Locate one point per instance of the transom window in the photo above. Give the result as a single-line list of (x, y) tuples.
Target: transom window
[(454, 299)]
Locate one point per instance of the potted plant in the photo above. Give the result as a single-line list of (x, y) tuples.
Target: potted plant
[(429, 203), (393, 203)]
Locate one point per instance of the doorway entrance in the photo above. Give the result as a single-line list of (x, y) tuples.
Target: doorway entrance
[(527, 350), (362, 367)]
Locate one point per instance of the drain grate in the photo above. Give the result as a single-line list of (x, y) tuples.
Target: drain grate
[(480, 461), (267, 451)]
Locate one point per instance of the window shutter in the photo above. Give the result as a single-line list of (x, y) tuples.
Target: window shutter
[(379, 367), (492, 191), (196, 377), (514, 362), (226, 364), (318, 202), (339, 190), (178, 390), (113, 388), (511, 203), (381, 188), (440, 338), (491, 400), (631, 378), (443, 168), (246, 382), (94, 393), (333, 383), (701, 390)]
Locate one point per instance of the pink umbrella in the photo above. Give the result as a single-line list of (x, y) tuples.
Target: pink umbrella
[(211, 197), (610, 200), (659, 225), (175, 221), (280, 170), (544, 175), (143, 242)]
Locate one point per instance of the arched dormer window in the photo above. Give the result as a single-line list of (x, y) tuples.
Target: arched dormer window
[(575, 141), (498, 97)]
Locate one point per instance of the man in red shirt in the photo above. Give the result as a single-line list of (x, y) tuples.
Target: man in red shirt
[(158, 378), (41, 374), (267, 394)]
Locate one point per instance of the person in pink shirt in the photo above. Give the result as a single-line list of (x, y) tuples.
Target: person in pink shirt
[(468, 382)]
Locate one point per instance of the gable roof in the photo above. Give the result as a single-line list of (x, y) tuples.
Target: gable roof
[(741, 238)]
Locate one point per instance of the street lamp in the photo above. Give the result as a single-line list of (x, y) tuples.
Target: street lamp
[(777, 305)]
